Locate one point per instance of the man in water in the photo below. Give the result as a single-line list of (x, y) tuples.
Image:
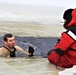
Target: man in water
[(9, 50)]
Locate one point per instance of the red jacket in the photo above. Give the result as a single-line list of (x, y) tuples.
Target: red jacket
[(67, 44), (64, 53)]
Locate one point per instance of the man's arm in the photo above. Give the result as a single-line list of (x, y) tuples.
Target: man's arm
[(21, 50)]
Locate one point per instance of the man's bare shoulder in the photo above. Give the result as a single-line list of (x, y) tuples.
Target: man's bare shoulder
[(1, 47)]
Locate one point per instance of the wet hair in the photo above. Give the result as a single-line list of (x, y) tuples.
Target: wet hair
[(8, 35)]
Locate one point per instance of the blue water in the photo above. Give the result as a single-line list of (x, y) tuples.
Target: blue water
[(41, 44)]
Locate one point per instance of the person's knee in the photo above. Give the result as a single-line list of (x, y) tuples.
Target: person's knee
[(50, 51)]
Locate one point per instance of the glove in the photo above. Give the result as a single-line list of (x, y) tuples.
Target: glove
[(31, 51), (59, 51)]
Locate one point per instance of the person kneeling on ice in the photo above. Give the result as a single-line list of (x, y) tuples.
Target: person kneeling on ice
[(9, 50), (64, 52)]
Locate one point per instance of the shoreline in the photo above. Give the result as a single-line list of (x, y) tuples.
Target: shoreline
[(30, 29)]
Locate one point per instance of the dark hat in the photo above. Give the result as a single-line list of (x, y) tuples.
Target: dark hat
[(67, 16)]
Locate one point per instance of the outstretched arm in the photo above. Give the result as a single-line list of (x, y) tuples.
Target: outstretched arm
[(21, 50)]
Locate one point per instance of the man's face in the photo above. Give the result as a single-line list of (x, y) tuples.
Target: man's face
[(10, 42)]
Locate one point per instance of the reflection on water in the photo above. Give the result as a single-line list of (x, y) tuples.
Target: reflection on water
[(27, 66)]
